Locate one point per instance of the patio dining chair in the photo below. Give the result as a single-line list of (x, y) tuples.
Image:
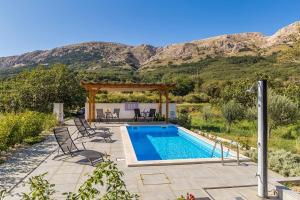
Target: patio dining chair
[(137, 114), (84, 132), (151, 115), (100, 115), (116, 113), (68, 147)]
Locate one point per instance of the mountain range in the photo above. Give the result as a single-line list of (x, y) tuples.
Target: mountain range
[(97, 55)]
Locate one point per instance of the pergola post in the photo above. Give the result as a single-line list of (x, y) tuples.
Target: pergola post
[(90, 107), (93, 105), (167, 105), (160, 103), (91, 115)]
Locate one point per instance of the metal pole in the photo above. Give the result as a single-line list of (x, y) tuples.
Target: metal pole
[(262, 168), (237, 154), (222, 156)]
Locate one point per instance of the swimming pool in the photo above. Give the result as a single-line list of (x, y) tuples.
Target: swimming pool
[(157, 142)]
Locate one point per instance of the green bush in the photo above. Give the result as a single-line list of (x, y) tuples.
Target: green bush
[(106, 175), (281, 111), (9, 131), (15, 127), (281, 161), (31, 124), (190, 107), (284, 162), (184, 119), (232, 111), (196, 98)]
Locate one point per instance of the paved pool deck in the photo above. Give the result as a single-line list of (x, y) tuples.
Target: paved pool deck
[(205, 181)]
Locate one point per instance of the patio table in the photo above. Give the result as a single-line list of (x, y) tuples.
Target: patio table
[(145, 113)]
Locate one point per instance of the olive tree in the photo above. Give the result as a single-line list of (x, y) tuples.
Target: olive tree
[(232, 111), (281, 111), (207, 112)]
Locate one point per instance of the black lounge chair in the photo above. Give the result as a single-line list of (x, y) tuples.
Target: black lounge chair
[(84, 132), (95, 129), (68, 147), (137, 114)]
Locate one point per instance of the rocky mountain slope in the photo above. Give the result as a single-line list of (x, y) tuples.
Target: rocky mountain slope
[(95, 55)]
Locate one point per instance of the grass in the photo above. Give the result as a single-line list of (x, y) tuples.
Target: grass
[(243, 131)]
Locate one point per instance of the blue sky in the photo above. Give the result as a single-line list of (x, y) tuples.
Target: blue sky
[(43, 24)]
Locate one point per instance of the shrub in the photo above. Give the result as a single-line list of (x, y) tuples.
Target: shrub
[(232, 111), (196, 98), (207, 113), (281, 111), (106, 174), (280, 161), (184, 119), (190, 107), (9, 131), (31, 124), (40, 188), (284, 162), (14, 128)]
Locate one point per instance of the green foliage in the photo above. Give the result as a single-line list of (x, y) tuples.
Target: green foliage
[(33, 140), (184, 118), (119, 97), (251, 153), (2, 194), (40, 88), (290, 55), (40, 189), (196, 98), (292, 90), (184, 85), (105, 175), (281, 110), (15, 127), (284, 162), (281, 161), (232, 111), (207, 112), (191, 107), (251, 114), (237, 91)]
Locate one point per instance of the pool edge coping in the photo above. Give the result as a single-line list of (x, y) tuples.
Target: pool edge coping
[(131, 159)]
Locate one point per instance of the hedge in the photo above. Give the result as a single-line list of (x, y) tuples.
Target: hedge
[(15, 127)]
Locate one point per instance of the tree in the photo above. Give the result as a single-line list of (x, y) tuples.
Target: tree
[(281, 111), (207, 113), (184, 85), (40, 88), (232, 111), (237, 91)]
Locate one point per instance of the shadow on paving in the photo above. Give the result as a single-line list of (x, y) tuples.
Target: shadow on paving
[(24, 161)]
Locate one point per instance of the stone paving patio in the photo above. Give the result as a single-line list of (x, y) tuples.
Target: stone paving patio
[(205, 181)]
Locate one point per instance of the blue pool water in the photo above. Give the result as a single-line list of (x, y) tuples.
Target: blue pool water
[(168, 143)]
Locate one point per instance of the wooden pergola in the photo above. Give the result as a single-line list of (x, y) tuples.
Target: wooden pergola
[(92, 88)]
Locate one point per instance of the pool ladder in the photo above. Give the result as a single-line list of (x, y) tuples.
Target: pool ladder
[(222, 152)]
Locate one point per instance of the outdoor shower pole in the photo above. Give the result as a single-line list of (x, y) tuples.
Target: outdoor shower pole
[(262, 170)]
